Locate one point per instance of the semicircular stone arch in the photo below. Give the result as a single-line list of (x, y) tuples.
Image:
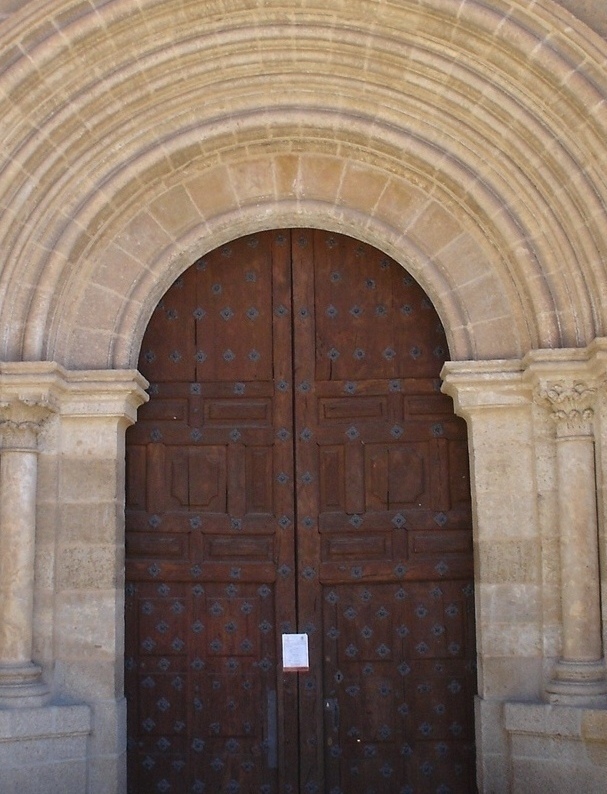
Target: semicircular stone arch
[(466, 141), (226, 201)]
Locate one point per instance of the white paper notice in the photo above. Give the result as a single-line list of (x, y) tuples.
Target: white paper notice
[(295, 653)]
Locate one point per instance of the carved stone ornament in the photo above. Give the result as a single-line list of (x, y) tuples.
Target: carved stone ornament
[(571, 405), (21, 419)]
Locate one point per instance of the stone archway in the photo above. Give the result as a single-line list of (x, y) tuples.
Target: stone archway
[(491, 127), (464, 139)]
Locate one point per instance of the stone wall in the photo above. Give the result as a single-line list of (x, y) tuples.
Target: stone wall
[(465, 139)]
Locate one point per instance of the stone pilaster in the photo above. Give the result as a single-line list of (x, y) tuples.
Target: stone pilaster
[(579, 675), (21, 419), (496, 403)]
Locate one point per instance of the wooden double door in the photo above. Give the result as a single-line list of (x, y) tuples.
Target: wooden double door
[(298, 470)]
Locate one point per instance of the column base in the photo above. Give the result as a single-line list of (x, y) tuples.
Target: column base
[(21, 686), (578, 684)]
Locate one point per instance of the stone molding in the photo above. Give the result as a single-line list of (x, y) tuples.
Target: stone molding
[(88, 213), (485, 385), (31, 392)]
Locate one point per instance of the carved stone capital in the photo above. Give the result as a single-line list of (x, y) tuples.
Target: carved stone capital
[(571, 404), (21, 419)]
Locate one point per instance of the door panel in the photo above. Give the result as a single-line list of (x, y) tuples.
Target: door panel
[(384, 556), (210, 465), (297, 468)]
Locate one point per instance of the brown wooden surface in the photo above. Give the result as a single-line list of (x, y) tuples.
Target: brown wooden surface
[(298, 469)]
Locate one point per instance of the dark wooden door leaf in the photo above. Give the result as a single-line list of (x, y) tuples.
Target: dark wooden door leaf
[(298, 470)]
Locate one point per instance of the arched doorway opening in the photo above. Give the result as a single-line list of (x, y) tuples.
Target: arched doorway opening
[(297, 470)]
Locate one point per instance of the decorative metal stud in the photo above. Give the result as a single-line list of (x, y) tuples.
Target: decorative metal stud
[(441, 568)]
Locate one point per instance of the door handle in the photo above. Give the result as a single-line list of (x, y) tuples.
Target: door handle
[(332, 711)]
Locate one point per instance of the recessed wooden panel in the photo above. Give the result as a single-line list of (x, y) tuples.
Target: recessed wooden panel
[(237, 411), (198, 477), (332, 476), (171, 547), (441, 542), (353, 547), (459, 480), (352, 408), (136, 470), (172, 410), (259, 485), (428, 405), (396, 476), (235, 547)]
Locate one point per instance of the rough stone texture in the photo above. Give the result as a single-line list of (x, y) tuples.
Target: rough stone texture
[(78, 638), (556, 748), (447, 113), (520, 609), (43, 750), (465, 139)]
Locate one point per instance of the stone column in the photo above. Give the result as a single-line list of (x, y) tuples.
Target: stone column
[(579, 675), (20, 422)]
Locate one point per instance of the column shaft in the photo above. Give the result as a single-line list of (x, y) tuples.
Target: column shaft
[(579, 550), (21, 682), (18, 470), (579, 675)]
